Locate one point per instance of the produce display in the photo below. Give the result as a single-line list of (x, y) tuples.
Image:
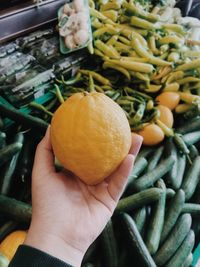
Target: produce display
[(146, 58)]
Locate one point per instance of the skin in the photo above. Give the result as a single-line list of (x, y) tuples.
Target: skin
[(69, 215)]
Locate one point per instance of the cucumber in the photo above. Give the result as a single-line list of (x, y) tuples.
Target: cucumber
[(7, 228), (193, 209), (10, 168), (136, 242), (138, 200), (139, 217), (88, 265), (153, 161), (188, 261), (193, 152), (182, 253), (150, 178), (109, 246), (170, 193), (181, 170), (174, 240), (172, 152), (191, 138), (2, 139), (155, 225), (172, 213), (6, 153), (23, 119), (1, 123), (145, 152), (15, 209), (138, 168), (90, 253), (189, 126), (178, 139), (191, 179)]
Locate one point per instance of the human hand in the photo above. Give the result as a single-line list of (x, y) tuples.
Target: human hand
[(68, 215)]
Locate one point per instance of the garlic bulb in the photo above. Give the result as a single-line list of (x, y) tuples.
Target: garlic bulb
[(81, 37), (68, 10), (69, 41)]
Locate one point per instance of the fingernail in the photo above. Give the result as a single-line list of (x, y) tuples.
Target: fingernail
[(137, 143)]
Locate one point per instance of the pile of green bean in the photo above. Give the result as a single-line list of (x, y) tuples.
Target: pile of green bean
[(152, 54)]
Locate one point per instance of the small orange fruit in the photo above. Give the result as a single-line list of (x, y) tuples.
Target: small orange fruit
[(90, 136), (169, 99), (166, 116), (10, 244), (152, 134)]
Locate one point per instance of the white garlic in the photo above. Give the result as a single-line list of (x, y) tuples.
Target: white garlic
[(68, 10), (81, 37), (78, 5), (69, 41)]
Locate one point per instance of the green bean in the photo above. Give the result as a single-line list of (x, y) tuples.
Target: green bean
[(106, 49), (135, 66), (41, 108), (171, 40), (120, 69), (141, 23), (188, 66), (141, 51), (138, 115), (59, 95), (132, 9)]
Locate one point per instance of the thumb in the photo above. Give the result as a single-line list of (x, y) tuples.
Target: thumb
[(118, 179)]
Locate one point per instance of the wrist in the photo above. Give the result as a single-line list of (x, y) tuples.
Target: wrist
[(54, 245)]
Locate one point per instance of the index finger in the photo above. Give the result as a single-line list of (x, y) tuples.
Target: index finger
[(44, 157)]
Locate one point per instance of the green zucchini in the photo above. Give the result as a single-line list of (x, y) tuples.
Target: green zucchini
[(138, 200), (182, 253), (170, 193), (88, 256), (1, 123), (7, 228), (172, 213), (189, 126), (153, 161), (10, 168), (109, 246), (181, 165), (193, 152), (6, 153), (150, 178), (2, 139), (188, 261), (15, 209), (174, 240), (138, 168), (4, 262), (88, 265), (191, 179), (191, 138), (145, 152), (178, 139), (130, 229), (139, 217), (172, 152), (23, 119), (155, 225), (193, 209)]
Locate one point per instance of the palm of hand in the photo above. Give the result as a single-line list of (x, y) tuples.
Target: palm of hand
[(68, 209)]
